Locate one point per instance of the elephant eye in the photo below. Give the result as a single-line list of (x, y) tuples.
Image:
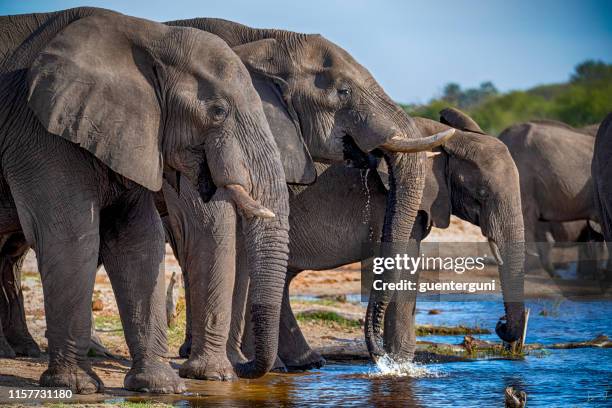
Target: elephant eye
[(218, 113), (344, 92)]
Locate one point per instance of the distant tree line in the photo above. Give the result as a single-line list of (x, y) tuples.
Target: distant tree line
[(584, 100)]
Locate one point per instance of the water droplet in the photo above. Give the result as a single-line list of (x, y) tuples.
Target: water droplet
[(367, 209)]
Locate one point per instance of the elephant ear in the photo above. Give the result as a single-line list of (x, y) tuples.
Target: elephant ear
[(266, 57), (459, 120), (89, 85), (264, 60), (298, 165)]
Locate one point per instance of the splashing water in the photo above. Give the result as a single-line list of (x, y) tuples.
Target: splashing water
[(367, 210), (387, 366)]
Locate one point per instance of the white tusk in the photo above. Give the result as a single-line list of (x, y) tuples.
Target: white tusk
[(496, 253), (402, 144), (246, 203), (431, 155)]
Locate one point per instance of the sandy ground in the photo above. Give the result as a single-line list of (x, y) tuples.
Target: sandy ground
[(312, 291)]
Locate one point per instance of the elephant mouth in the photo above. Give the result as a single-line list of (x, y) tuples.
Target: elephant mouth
[(354, 157), (206, 186)]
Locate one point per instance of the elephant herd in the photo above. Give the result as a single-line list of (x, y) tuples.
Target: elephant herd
[(246, 150)]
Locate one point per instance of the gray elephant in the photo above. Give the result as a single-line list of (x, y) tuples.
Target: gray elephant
[(554, 162), (15, 339), (474, 177), (601, 170), (94, 107), (586, 234), (321, 106)]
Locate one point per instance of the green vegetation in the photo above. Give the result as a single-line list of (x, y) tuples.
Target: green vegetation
[(323, 316), (584, 100), (108, 323), (176, 331)]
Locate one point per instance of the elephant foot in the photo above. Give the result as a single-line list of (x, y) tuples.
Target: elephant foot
[(215, 368), (308, 361), (25, 346), (6, 351), (185, 349), (154, 377), (79, 379)]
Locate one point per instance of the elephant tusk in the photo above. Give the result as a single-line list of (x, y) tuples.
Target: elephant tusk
[(496, 252), (246, 203), (431, 155), (399, 143)]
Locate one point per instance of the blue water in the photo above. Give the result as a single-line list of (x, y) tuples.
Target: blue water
[(551, 378)]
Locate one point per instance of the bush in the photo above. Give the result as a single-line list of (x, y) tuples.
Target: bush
[(584, 100)]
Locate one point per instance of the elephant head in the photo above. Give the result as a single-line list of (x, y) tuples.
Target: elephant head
[(323, 105), (147, 99), (476, 179)]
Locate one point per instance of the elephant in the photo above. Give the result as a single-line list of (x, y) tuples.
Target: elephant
[(473, 177), (98, 111), (309, 122), (553, 160), (321, 105), (587, 234), (601, 173)]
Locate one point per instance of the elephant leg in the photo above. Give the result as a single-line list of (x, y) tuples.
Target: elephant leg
[(67, 260), (12, 255), (172, 238), (545, 244), (590, 254), (293, 348), (132, 251), (59, 212), (185, 349), (205, 234), (6, 350), (239, 306)]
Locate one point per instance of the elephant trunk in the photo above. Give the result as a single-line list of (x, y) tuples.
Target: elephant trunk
[(406, 183), (267, 252), (504, 229), (267, 257)]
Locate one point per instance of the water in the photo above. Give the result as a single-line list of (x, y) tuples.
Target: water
[(551, 378)]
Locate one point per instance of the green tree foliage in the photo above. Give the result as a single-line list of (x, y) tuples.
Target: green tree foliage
[(585, 99)]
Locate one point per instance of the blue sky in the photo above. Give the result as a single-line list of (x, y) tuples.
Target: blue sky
[(414, 47)]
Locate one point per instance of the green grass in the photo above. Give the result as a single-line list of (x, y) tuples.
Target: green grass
[(108, 323), (176, 331), (327, 317)]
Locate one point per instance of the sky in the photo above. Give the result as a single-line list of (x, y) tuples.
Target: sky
[(413, 47)]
